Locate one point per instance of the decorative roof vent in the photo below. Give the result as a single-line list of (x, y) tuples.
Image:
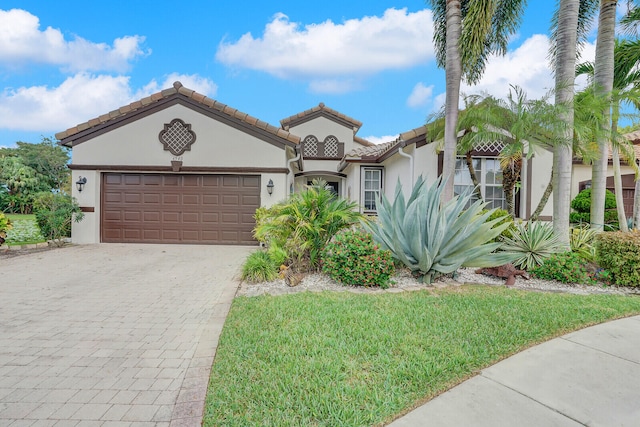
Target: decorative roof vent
[(177, 137)]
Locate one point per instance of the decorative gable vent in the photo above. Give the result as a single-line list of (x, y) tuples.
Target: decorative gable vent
[(330, 148), (177, 137)]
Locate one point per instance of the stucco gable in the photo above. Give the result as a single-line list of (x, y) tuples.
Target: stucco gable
[(320, 110), (178, 94)]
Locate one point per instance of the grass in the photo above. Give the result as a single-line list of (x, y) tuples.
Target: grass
[(340, 359), (24, 230)]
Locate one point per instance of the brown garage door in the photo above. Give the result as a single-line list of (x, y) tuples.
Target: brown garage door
[(166, 208)]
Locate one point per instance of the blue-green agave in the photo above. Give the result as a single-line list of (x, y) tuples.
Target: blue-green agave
[(433, 240)]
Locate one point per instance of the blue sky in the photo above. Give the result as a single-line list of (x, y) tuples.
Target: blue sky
[(65, 62)]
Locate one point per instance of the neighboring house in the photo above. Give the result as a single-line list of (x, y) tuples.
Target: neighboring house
[(179, 167)]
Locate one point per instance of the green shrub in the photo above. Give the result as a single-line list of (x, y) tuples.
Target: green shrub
[(5, 223), (619, 254), (277, 254), (305, 223), (533, 242), (54, 214), (582, 206), (566, 267), (505, 218), (433, 239), (259, 267), (352, 258)]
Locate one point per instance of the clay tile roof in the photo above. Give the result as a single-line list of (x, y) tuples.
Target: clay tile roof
[(376, 151), (363, 141), (320, 108), (191, 94), (634, 137)]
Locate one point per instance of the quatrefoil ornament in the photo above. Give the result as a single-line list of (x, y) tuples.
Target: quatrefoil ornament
[(177, 137)]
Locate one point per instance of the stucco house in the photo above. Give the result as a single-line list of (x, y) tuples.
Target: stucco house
[(179, 167)]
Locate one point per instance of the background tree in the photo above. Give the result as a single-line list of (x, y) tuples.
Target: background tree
[(466, 33), (31, 168)]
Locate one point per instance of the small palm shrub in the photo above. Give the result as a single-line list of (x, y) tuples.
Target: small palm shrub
[(566, 267), (259, 267), (433, 240), (582, 242), (305, 223), (352, 258), (533, 241)]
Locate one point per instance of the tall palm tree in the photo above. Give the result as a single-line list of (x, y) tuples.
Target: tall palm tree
[(603, 81), (568, 23), (466, 33), (625, 83)]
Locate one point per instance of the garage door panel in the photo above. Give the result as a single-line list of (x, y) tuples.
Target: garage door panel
[(179, 208), (132, 179)]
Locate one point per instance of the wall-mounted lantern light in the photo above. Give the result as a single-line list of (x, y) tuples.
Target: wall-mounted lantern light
[(270, 187), (80, 183)]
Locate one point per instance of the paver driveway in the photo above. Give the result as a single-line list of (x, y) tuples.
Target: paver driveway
[(112, 334)]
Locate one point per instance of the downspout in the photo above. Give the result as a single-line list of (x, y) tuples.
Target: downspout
[(410, 157), (289, 163)]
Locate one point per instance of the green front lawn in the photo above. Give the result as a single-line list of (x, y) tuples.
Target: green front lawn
[(341, 359)]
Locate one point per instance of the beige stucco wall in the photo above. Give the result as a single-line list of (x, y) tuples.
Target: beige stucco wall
[(541, 164), (217, 144), (137, 144)]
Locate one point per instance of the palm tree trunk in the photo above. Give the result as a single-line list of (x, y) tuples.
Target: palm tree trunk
[(617, 184), (603, 79), (453, 77), (565, 79), (472, 173), (544, 199), (636, 206)]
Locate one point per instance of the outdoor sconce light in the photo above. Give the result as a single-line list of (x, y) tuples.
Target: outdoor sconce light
[(270, 187), (80, 183)]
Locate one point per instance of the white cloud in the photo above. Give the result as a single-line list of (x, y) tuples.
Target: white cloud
[(420, 95), (381, 139), (195, 82), (80, 98), (355, 47), (22, 42), (526, 66), (334, 86)]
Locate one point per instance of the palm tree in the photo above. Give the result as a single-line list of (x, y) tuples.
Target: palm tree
[(568, 24), (625, 83), (603, 81), (466, 33)]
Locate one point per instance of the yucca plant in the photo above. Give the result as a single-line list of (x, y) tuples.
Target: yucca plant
[(304, 224), (433, 240), (582, 241), (533, 241)]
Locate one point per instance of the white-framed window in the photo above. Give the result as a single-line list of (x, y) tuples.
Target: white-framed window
[(489, 176), (371, 187)]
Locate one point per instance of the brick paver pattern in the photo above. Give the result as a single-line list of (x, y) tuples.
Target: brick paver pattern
[(112, 335)]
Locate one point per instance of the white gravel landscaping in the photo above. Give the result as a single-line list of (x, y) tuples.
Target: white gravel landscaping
[(403, 281)]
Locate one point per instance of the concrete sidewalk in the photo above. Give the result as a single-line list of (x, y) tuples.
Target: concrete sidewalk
[(589, 377)]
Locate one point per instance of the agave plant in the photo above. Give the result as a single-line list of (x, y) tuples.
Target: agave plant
[(533, 241), (582, 241), (433, 240)]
